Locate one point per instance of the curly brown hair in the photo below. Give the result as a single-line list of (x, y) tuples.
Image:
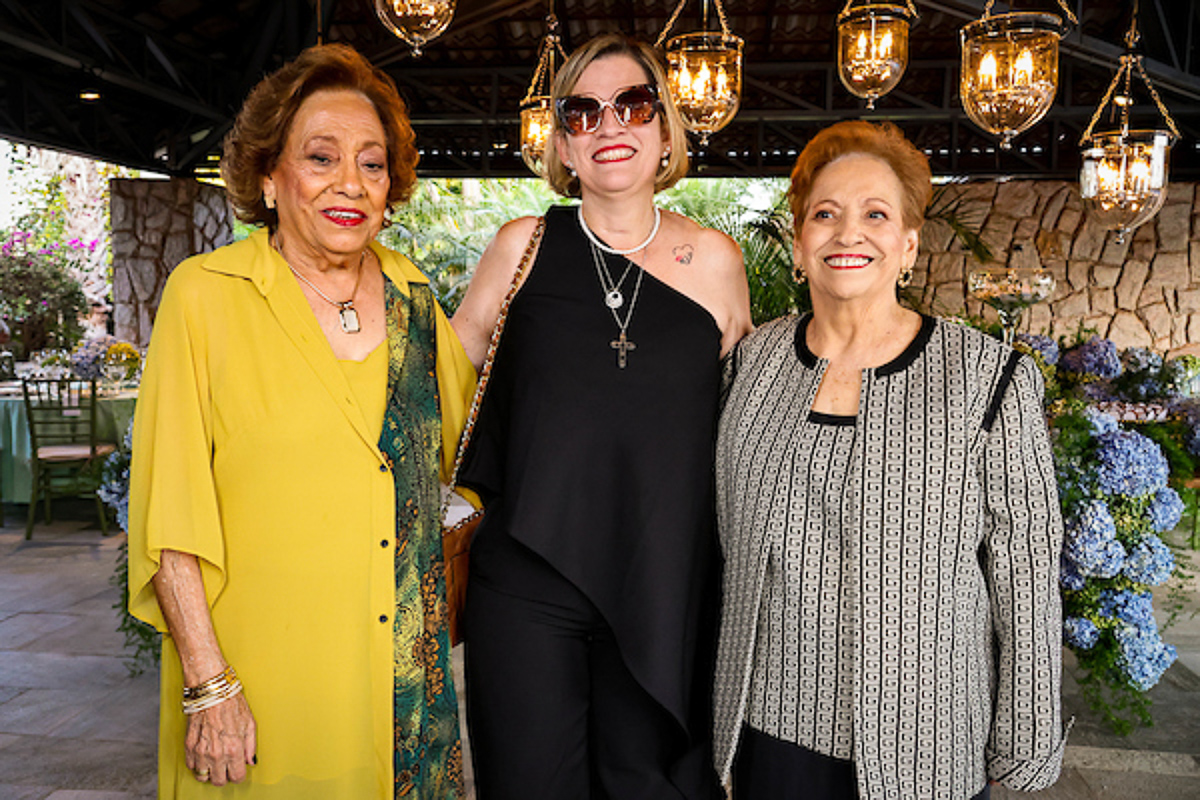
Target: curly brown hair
[(253, 146), (882, 140)]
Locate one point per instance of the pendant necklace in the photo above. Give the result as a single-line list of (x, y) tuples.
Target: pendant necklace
[(613, 298), (622, 344), (347, 315)]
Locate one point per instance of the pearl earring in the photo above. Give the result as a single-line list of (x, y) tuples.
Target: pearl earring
[(666, 158)]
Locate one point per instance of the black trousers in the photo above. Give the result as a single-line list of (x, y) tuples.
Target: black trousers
[(767, 768), (553, 712)]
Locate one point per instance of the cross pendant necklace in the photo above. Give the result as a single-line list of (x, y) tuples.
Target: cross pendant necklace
[(622, 345)]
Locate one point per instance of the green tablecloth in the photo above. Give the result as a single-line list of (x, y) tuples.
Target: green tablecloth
[(112, 418)]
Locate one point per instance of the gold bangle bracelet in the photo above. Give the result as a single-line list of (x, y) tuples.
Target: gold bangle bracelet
[(196, 705), (227, 676)]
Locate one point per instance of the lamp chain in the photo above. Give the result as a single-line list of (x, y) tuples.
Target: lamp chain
[(550, 47), (1128, 61), (847, 10), (679, 10), (1162, 109), (987, 10)]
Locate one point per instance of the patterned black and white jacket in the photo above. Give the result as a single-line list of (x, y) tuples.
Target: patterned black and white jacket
[(954, 554)]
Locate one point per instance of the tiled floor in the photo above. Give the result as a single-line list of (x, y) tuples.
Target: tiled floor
[(75, 726)]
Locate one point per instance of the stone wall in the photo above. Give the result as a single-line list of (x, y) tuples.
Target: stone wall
[(155, 225), (1144, 292)]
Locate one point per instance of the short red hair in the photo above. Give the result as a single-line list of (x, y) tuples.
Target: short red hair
[(883, 141)]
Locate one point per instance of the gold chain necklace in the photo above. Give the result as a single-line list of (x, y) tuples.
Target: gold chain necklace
[(347, 314)]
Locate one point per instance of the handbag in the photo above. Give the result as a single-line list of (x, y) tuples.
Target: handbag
[(456, 538)]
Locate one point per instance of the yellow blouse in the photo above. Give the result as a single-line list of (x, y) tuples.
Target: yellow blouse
[(252, 451)]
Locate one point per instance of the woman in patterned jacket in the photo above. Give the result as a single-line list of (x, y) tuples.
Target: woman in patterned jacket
[(889, 518)]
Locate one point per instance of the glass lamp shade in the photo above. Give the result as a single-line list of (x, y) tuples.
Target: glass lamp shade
[(704, 72), (416, 21), (1123, 179), (537, 121), (1009, 71), (873, 50)]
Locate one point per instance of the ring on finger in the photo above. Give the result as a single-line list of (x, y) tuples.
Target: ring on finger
[(202, 774)]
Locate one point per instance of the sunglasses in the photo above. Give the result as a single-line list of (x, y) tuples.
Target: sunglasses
[(635, 105)]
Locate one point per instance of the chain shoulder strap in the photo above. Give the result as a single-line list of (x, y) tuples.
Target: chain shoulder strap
[(485, 373)]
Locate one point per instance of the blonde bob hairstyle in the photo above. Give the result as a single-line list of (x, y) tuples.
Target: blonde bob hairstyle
[(253, 146), (605, 46), (883, 141)]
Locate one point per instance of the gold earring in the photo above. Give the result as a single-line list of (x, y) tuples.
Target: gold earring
[(906, 277), (798, 274)]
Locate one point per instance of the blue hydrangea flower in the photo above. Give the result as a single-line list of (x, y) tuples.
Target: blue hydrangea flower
[(1096, 357), (1099, 392), (1101, 423), (1130, 607), (1093, 518), (1166, 509), (87, 361), (1130, 464), (1150, 562), (1144, 655), (1080, 632), (1091, 546), (1096, 558), (1046, 347), (114, 491), (1069, 577), (1139, 359)]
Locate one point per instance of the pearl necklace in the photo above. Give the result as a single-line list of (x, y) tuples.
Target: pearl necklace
[(595, 240)]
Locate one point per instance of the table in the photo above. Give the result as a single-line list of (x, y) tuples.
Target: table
[(113, 413)]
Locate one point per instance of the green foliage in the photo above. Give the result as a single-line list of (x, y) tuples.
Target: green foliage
[(754, 214), (41, 301), (1106, 692), (946, 207), (1170, 436), (448, 223), (143, 644)]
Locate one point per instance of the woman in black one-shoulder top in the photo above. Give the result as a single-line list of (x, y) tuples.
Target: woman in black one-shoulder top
[(591, 606)]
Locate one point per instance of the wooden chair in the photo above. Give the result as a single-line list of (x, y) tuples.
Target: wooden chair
[(65, 457)]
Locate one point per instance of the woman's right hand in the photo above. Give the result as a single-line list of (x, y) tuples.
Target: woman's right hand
[(221, 741)]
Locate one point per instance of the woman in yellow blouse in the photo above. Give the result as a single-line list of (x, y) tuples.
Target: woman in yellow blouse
[(302, 391)]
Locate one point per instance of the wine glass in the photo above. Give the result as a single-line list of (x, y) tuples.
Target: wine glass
[(114, 374), (1010, 290)]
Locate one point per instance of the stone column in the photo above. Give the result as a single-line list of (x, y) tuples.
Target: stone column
[(155, 225)]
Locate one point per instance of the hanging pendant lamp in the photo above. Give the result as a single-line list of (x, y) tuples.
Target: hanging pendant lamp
[(1123, 180), (1010, 69), (416, 21), (873, 47), (704, 72), (537, 112)]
